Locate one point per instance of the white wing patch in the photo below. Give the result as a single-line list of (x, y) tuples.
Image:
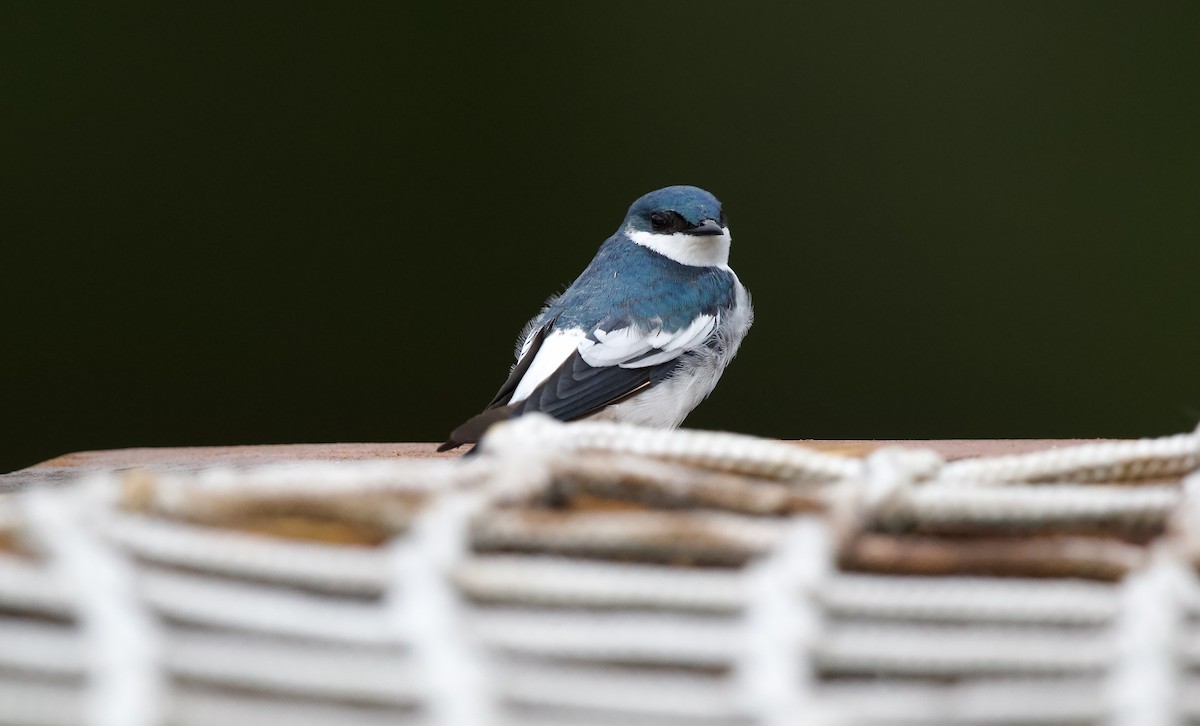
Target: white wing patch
[(556, 348), (632, 348), (628, 347)]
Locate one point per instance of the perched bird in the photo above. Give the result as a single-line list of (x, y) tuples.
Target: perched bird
[(643, 335)]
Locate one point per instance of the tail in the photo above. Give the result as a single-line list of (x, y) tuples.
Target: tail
[(474, 429)]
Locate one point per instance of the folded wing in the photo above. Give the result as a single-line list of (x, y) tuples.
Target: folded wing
[(572, 373)]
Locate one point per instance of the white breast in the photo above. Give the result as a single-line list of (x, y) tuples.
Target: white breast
[(667, 404)]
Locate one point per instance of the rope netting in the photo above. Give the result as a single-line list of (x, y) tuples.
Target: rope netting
[(595, 573)]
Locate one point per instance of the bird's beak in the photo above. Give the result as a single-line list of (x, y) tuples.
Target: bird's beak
[(707, 228)]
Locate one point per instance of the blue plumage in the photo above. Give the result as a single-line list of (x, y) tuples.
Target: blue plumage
[(692, 203), (643, 334), (627, 279)]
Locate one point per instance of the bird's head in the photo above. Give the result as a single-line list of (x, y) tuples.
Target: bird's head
[(683, 223)]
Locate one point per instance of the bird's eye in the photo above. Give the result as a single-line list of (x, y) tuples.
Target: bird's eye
[(659, 221)]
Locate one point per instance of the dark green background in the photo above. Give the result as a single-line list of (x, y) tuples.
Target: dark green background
[(227, 224)]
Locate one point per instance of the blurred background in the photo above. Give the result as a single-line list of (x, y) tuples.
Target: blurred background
[(230, 224)]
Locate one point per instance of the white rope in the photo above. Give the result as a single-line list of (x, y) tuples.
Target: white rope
[(1049, 503), (969, 599), (518, 462), (41, 648), (376, 672), (376, 675), (583, 614), (10, 514), (1059, 700), (907, 650), (430, 615), (566, 717), (781, 623), (707, 449), (1186, 531), (1189, 697), (327, 567), (122, 640), (890, 476), (1144, 687), (39, 703), (881, 492), (1099, 462), (309, 478), (564, 582), (670, 485), (376, 498), (624, 695), (26, 585), (700, 537), (207, 707), (254, 608), (660, 639)]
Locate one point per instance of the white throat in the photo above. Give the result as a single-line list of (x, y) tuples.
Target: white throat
[(687, 249)]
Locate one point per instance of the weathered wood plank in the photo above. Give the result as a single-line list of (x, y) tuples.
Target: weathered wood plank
[(73, 465)]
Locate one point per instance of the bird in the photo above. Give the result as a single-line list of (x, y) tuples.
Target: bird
[(643, 334)]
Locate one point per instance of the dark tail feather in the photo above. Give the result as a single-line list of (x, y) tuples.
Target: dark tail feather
[(474, 429)]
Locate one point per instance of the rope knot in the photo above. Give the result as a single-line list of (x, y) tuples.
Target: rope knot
[(891, 474)]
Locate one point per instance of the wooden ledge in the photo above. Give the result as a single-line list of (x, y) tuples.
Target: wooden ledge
[(184, 459)]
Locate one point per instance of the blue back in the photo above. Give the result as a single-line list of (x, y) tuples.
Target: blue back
[(629, 282)]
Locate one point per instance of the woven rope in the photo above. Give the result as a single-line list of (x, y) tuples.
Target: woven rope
[(427, 612), (122, 641), (706, 449), (1144, 686), (599, 574), (319, 566), (1113, 461)]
